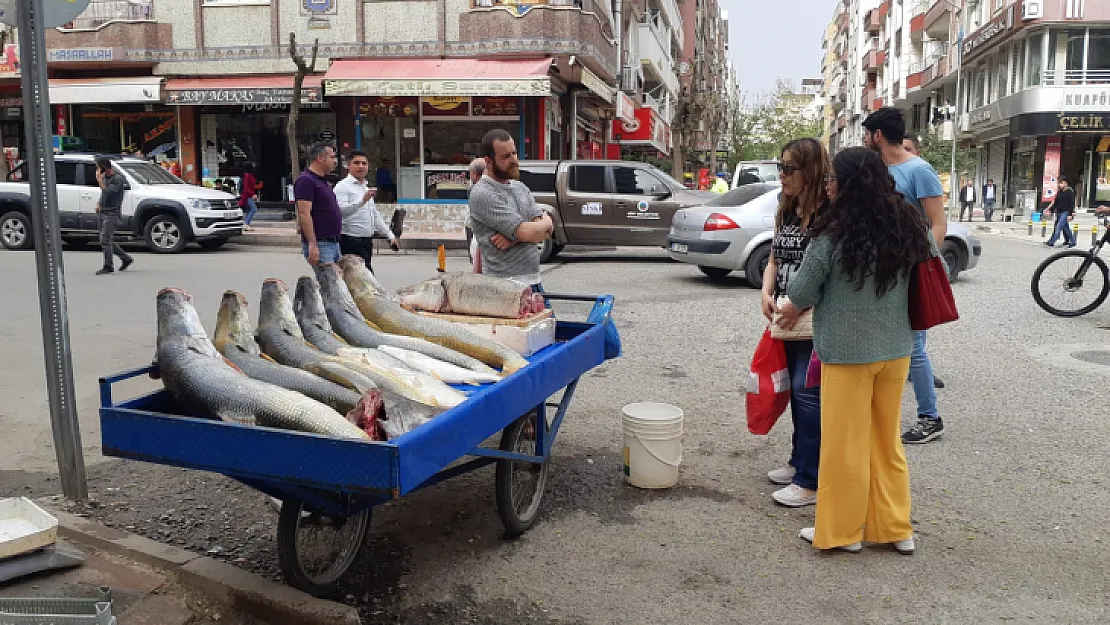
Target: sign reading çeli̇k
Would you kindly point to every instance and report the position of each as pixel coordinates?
(1091, 122)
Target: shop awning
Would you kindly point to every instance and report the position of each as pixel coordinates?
(241, 90)
(439, 77)
(105, 90)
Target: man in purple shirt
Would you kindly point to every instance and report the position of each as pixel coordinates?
(318, 215)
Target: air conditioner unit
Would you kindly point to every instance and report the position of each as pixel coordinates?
(630, 79)
(1032, 9)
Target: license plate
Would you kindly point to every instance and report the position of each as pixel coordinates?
(230, 215)
(678, 248)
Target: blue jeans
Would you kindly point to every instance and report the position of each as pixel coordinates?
(1062, 226)
(329, 251)
(805, 410)
(921, 376)
(252, 208)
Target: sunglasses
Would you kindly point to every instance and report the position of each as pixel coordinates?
(789, 170)
(829, 178)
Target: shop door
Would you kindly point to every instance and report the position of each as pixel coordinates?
(587, 207)
(643, 205)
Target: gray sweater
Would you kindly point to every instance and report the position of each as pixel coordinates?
(850, 326)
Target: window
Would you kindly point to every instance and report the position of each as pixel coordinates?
(588, 179)
(1098, 56)
(65, 173)
(1035, 51)
(538, 180)
(89, 170)
(149, 173)
(633, 181)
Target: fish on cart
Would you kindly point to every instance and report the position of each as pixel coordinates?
(234, 338)
(331, 302)
(195, 372)
(444, 371)
(473, 294)
(280, 337)
(391, 317)
(384, 419)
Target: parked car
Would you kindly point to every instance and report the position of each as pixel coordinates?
(747, 172)
(733, 233)
(158, 207)
(607, 203)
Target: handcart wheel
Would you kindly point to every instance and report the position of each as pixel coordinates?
(519, 485)
(315, 550)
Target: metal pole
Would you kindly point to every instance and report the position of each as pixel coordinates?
(48, 251)
(952, 179)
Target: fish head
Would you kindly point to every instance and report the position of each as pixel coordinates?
(275, 307)
(308, 306)
(233, 324)
(178, 320)
(359, 279)
(334, 289)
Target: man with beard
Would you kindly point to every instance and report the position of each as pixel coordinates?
(885, 130)
(506, 221)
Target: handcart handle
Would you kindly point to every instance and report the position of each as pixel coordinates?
(603, 304)
(107, 381)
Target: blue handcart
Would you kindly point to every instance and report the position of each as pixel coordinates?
(328, 487)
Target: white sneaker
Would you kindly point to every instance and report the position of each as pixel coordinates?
(782, 476)
(795, 496)
(905, 547)
(807, 533)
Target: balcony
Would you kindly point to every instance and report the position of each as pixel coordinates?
(938, 69)
(872, 23)
(871, 61)
(881, 58)
(579, 27)
(1054, 78)
(656, 57)
(917, 13)
(938, 19)
(867, 100)
(884, 10)
(673, 17)
(112, 24)
(842, 23)
(914, 78)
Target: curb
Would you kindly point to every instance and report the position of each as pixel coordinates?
(239, 588)
(429, 241)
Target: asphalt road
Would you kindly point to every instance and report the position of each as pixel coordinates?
(1009, 506)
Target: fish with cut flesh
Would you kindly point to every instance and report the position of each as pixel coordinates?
(444, 371)
(384, 419)
(345, 318)
(195, 372)
(234, 338)
(473, 294)
(391, 317)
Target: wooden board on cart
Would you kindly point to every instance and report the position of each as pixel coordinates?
(497, 321)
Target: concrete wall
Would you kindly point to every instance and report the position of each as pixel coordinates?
(402, 21)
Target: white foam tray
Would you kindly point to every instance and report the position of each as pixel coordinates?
(24, 527)
(524, 341)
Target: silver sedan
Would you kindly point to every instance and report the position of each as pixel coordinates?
(733, 233)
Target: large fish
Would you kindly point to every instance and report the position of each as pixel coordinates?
(192, 369)
(280, 337)
(473, 294)
(341, 311)
(391, 317)
(444, 371)
(234, 338)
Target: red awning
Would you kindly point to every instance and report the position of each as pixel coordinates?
(241, 90)
(439, 77)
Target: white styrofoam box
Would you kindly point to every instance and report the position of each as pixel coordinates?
(524, 341)
(24, 527)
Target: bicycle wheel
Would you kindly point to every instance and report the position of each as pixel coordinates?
(1063, 284)
(316, 551)
(519, 486)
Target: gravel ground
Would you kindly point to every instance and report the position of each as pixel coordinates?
(1009, 507)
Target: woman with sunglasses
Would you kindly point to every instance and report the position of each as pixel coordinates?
(856, 276)
(803, 165)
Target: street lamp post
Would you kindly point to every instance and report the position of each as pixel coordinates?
(952, 175)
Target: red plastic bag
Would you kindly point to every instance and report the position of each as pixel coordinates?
(813, 372)
(768, 384)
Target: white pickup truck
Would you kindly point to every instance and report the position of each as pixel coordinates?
(158, 207)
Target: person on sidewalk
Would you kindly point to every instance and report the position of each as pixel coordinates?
(1064, 207)
(109, 214)
(318, 216)
(507, 222)
(476, 171)
(919, 184)
(384, 179)
(967, 201)
(990, 195)
(247, 195)
(720, 186)
(803, 166)
(856, 274)
(361, 219)
(912, 145)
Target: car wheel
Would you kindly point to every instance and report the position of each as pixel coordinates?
(163, 234)
(549, 249)
(714, 273)
(950, 252)
(212, 244)
(15, 231)
(757, 264)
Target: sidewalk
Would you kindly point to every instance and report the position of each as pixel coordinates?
(284, 234)
(1040, 232)
(157, 584)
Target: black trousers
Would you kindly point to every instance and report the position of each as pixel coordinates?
(359, 246)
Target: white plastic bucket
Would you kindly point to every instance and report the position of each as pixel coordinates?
(652, 444)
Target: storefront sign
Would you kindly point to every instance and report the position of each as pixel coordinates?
(1051, 168)
(974, 44)
(462, 87)
(626, 108)
(446, 105)
(649, 130)
(159, 130)
(83, 55)
(980, 116)
(596, 85)
(241, 96)
(1084, 123)
(446, 185)
(9, 62)
(8, 102)
(1080, 99)
(488, 106)
(386, 106)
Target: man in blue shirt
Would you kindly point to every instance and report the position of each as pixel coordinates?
(918, 183)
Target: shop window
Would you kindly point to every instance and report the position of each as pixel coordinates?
(1035, 50)
(65, 173)
(588, 179)
(1098, 56)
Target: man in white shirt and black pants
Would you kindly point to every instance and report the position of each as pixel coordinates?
(361, 219)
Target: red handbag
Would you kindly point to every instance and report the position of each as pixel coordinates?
(931, 301)
(768, 385)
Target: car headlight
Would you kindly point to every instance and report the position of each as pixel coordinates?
(196, 204)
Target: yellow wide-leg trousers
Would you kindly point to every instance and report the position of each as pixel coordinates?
(863, 490)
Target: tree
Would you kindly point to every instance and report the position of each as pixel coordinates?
(762, 127)
(938, 153)
(294, 108)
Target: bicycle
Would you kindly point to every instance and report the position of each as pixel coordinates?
(1067, 272)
